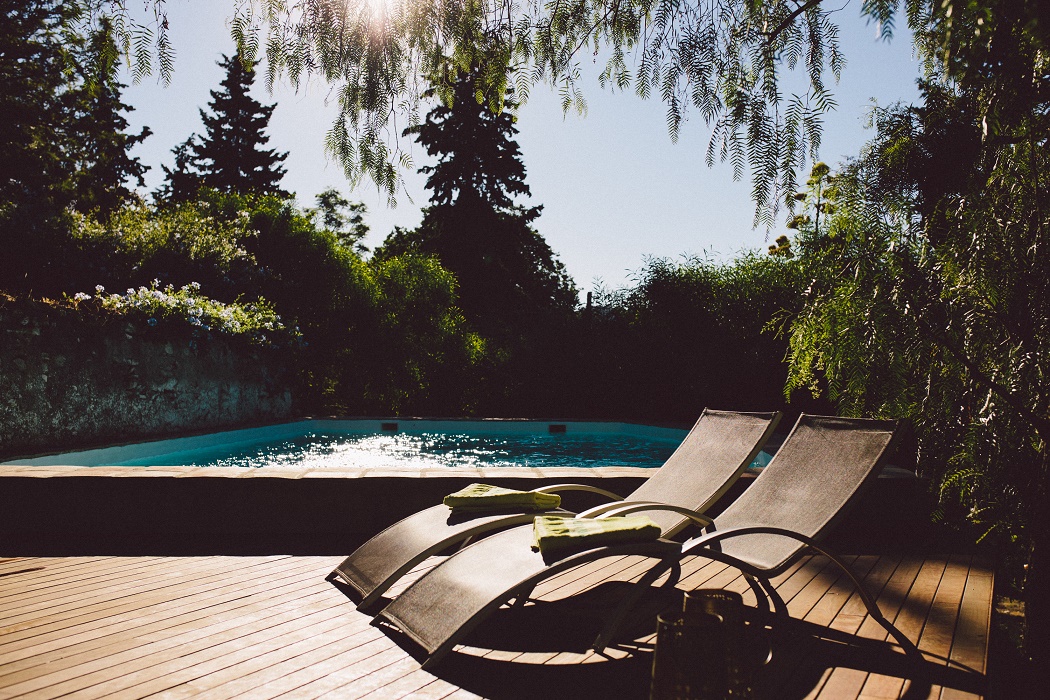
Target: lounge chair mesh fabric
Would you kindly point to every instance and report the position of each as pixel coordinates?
(708, 461)
(819, 472)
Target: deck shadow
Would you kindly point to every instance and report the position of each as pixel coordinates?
(802, 652)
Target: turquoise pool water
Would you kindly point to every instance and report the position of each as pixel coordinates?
(398, 443)
(330, 450)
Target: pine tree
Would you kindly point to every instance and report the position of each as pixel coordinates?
(509, 278)
(231, 156)
(183, 182)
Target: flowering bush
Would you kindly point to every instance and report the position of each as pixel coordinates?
(255, 321)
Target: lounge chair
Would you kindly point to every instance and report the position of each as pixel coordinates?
(821, 469)
(709, 460)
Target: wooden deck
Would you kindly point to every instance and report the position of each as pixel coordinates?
(270, 626)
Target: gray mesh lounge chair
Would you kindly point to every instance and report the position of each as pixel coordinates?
(710, 459)
(815, 476)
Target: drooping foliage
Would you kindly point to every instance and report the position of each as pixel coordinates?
(104, 164)
(721, 58)
(930, 280)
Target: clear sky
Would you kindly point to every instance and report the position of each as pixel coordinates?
(615, 189)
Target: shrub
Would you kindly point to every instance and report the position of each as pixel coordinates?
(154, 305)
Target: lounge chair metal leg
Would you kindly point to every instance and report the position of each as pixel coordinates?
(873, 607)
(765, 607)
(779, 606)
(616, 619)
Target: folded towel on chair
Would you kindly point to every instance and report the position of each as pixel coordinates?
(554, 534)
(481, 497)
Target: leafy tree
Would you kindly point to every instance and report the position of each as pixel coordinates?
(710, 317)
(381, 336)
(720, 57)
(345, 219)
(509, 277)
(230, 157)
(930, 285)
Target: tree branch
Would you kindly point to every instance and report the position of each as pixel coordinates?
(789, 19)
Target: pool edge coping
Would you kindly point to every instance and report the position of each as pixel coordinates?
(180, 472)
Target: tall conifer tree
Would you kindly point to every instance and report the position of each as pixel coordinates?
(509, 278)
(232, 156)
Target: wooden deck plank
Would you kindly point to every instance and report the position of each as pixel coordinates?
(803, 603)
(16, 563)
(970, 640)
(86, 578)
(256, 627)
(350, 676)
(407, 686)
(72, 629)
(63, 653)
(140, 660)
(290, 676)
(237, 657)
(910, 621)
(31, 568)
(208, 574)
(84, 569)
(435, 690)
(142, 664)
(852, 613)
(46, 578)
(103, 588)
(846, 682)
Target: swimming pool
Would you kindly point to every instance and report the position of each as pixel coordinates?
(397, 443)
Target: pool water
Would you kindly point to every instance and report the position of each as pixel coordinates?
(333, 450)
(396, 443)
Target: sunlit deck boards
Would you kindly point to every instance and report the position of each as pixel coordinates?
(266, 627)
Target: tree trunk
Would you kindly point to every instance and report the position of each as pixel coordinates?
(1037, 585)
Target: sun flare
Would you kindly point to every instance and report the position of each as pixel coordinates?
(381, 7)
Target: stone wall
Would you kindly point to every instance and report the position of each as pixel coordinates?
(67, 382)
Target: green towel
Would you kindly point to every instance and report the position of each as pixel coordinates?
(481, 497)
(555, 534)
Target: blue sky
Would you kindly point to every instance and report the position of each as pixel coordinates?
(615, 189)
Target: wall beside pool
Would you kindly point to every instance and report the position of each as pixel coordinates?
(65, 385)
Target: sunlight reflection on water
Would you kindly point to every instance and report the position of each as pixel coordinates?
(433, 450)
